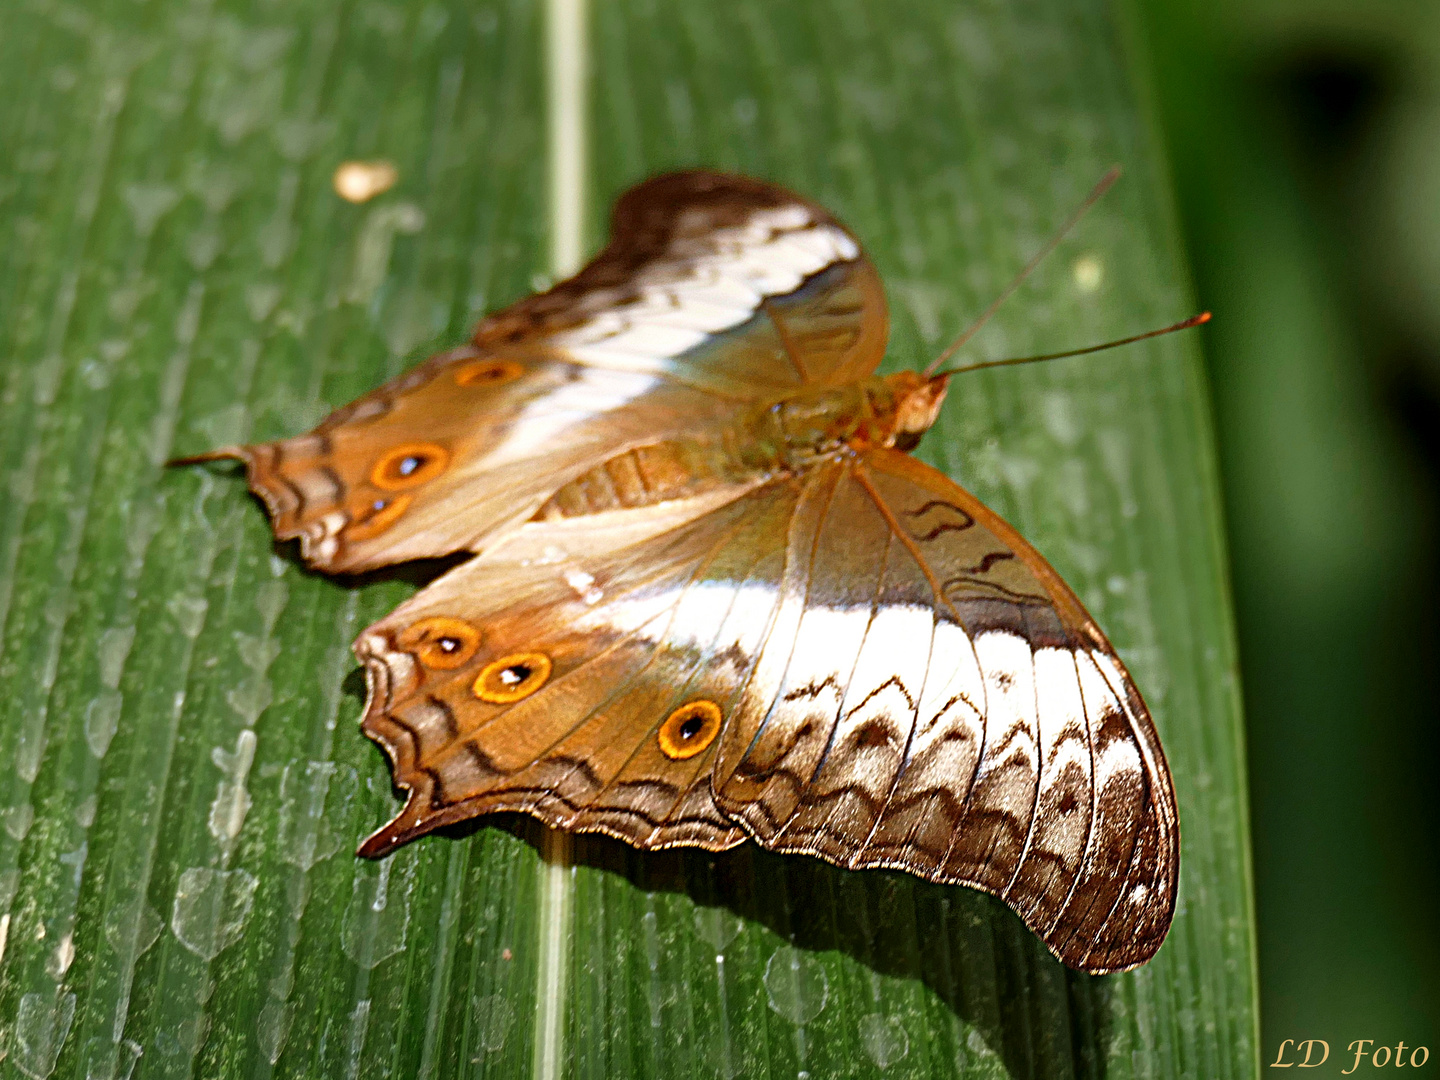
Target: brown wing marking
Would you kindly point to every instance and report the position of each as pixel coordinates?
(763, 763)
(991, 827)
(546, 756)
(831, 697)
(1119, 919)
(502, 448)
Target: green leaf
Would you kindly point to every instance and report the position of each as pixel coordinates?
(181, 778)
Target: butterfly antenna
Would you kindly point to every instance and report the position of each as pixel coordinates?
(1106, 182)
(1194, 320)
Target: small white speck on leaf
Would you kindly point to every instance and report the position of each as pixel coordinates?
(1089, 273)
(361, 181)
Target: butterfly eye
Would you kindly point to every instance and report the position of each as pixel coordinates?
(689, 729)
(488, 373)
(512, 677)
(409, 466)
(376, 517)
(440, 642)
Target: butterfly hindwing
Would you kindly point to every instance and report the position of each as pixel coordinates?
(898, 681)
(715, 291)
(626, 632)
(942, 704)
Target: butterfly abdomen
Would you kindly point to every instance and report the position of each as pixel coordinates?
(660, 472)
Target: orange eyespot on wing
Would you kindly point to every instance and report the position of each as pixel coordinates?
(512, 678)
(689, 730)
(488, 373)
(409, 466)
(440, 642)
(377, 516)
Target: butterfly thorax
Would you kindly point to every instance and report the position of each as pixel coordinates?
(883, 410)
(783, 435)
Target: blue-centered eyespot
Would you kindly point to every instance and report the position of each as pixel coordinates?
(409, 466)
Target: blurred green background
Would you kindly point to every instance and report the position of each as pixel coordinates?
(1304, 139)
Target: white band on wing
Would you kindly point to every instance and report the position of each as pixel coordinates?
(704, 285)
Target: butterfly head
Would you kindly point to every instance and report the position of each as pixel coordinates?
(917, 403)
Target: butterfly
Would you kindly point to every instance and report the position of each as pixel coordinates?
(711, 598)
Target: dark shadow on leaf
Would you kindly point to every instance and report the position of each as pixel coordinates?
(354, 687)
(417, 572)
(1017, 1002)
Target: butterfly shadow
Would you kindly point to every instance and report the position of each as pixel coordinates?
(417, 573)
(1015, 1001)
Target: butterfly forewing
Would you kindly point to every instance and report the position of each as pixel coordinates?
(630, 633)
(716, 291)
